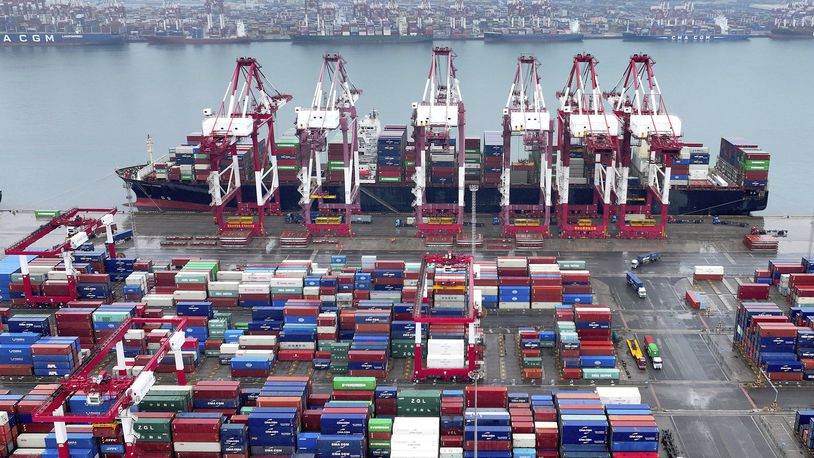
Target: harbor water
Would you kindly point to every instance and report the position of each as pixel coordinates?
(72, 115)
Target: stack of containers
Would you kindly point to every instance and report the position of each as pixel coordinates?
(769, 340)
(167, 398)
(531, 357)
(546, 283)
(234, 440)
(155, 432)
(753, 291)
(492, 157)
(801, 289)
(415, 437)
(743, 163)
(546, 429)
(442, 160)
(336, 161)
(779, 267)
(523, 438)
(758, 242)
(568, 346)
(197, 434)
(369, 351)
(419, 403)
(94, 287)
(583, 426)
(346, 421)
(494, 431)
(388, 280)
(379, 433)
(288, 156)
(633, 429)
(391, 147)
(698, 157)
(472, 159)
(298, 338)
(8, 267)
(339, 357)
(119, 268)
(55, 356)
(95, 258)
(221, 397)
(747, 311)
(254, 289)
(385, 401)
(452, 421)
(108, 317)
(514, 291)
(135, 286)
(486, 282)
(81, 444)
(804, 427)
(576, 287)
(402, 338)
(36, 323)
(762, 276)
(273, 430)
(596, 349)
(198, 315)
(254, 356)
(15, 352)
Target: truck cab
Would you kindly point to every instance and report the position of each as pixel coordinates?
(653, 352)
(636, 284)
(645, 258)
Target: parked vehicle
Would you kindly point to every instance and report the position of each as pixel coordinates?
(636, 353)
(653, 352)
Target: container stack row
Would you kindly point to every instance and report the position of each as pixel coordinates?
(743, 163)
(392, 144)
(585, 348)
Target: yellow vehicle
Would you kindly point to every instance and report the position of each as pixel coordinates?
(526, 222)
(323, 196)
(239, 221)
(636, 353)
(585, 222)
(328, 220)
(439, 220)
(648, 222)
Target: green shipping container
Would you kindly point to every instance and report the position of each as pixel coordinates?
(339, 368)
(355, 383)
(382, 425)
(572, 265)
(533, 362)
(152, 403)
(379, 444)
(402, 348)
(600, 374)
(419, 403)
(46, 213)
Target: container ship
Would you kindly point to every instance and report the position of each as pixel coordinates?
(215, 30)
(792, 33)
(306, 38)
(720, 31)
(731, 187)
(38, 23)
(533, 37)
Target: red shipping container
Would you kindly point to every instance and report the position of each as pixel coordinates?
(753, 291)
(488, 396)
(571, 373)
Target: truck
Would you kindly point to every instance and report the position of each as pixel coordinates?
(645, 258)
(636, 353)
(361, 219)
(653, 352)
(636, 284)
(406, 222)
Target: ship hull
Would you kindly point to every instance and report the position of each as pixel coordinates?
(173, 40)
(787, 34)
(60, 39)
(682, 38)
(532, 37)
(359, 39)
(195, 197)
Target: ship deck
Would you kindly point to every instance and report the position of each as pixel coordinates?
(706, 394)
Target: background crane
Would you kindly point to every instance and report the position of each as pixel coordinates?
(239, 140)
(652, 134)
(526, 115)
(585, 130)
(333, 107)
(440, 111)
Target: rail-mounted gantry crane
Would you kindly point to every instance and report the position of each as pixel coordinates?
(650, 135)
(241, 131)
(440, 158)
(526, 116)
(332, 114)
(586, 131)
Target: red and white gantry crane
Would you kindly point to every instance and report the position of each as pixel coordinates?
(526, 115)
(586, 129)
(440, 111)
(654, 136)
(243, 127)
(333, 107)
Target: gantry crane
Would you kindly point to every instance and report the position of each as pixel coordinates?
(333, 107)
(526, 115)
(469, 322)
(80, 226)
(233, 133)
(440, 111)
(655, 135)
(585, 129)
(120, 388)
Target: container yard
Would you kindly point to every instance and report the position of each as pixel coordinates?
(331, 350)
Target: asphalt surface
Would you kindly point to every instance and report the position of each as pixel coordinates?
(706, 394)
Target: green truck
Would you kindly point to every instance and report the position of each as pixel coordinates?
(653, 352)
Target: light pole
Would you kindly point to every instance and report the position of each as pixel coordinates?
(476, 375)
(473, 188)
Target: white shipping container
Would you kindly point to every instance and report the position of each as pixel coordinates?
(224, 286)
(230, 275)
(57, 275)
(229, 348)
(386, 295)
(254, 288)
(183, 295)
(257, 340)
(514, 305)
(326, 329)
(450, 298)
(417, 425)
(269, 354)
(546, 425)
(31, 440)
(699, 174)
(523, 440)
(298, 345)
(709, 270)
(310, 291)
(286, 282)
(487, 290)
(344, 297)
(619, 394)
(544, 268)
(451, 452)
(544, 305)
(159, 300)
(259, 276)
(512, 261)
(210, 447)
(135, 334)
(445, 347)
(802, 300)
(169, 388)
(445, 362)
